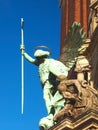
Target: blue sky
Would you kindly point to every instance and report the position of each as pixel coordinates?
(42, 27)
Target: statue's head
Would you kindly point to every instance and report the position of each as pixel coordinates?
(42, 52)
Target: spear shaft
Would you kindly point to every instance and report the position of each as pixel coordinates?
(22, 67)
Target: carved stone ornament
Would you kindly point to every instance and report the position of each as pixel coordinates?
(81, 94)
(86, 121)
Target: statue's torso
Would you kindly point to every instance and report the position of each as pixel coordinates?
(44, 70)
(55, 67)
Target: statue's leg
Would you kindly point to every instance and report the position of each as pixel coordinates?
(58, 102)
(65, 111)
(47, 96)
(59, 115)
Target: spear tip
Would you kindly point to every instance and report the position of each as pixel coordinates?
(22, 22)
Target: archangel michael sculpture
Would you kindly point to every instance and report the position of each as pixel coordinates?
(63, 96)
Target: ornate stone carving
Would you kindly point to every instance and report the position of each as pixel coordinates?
(79, 97)
(86, 121)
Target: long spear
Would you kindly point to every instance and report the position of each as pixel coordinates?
(22, 67)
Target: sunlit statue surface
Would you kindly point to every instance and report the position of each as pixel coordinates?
(62, 96)
(49, 70)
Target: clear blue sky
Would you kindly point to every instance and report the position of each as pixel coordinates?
(42, 27)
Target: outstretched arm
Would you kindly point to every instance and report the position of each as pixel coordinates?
(29, 58)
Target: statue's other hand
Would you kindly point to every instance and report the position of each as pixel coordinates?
(22, 48)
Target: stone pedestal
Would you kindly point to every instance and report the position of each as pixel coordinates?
(86, 121)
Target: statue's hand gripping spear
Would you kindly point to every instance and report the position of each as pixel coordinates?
(22, 65)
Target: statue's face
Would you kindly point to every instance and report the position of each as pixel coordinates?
(71, 89)
(40, 60)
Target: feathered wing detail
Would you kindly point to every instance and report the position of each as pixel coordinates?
(72, 45)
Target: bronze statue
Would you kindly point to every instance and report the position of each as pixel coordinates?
(52, 72)
(49, 70)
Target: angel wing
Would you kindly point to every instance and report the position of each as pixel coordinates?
(72, 45)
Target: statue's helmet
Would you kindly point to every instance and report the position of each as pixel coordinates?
(41, 53)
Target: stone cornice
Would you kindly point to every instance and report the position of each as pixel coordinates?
(88, 119)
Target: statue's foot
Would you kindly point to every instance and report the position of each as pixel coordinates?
(46, 122)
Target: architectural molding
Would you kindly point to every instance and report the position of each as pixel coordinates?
(86, 121)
